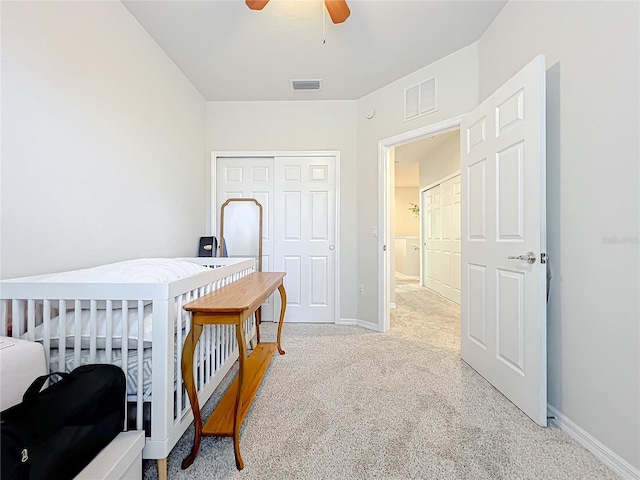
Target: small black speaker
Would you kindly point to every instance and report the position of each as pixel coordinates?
(208, 247)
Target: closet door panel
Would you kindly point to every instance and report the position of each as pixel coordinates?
(305, 229)
(249, 177)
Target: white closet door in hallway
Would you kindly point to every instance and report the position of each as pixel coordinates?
(305, 235)
(299, 199)
(441, 238)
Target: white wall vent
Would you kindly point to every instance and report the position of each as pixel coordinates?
(421, 99)
(306, 84)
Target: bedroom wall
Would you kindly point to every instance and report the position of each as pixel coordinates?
(407, 224)
(593, 205)
(458, 94)
(297, 126)
(103, 141)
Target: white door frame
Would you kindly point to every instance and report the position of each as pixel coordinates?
(385, 190)
(315, 153)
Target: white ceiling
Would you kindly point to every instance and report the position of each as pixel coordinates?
(230, 52)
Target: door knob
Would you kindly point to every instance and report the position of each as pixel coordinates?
(530, 257)
(331, 247)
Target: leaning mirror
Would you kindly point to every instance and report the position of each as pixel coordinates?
(241, 229)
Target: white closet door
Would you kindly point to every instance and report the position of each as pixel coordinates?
(432, 239)
(450, 239)
(441, 239)
(304, 235)
(250, 178)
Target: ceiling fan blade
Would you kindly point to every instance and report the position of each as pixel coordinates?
(256, 4)
(338, 10)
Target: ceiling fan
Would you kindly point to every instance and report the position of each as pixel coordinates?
(338, 9)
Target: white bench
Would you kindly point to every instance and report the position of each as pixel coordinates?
(121, 459)
(20, 363)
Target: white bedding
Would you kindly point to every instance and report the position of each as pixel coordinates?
(101, 328)
(142, 270)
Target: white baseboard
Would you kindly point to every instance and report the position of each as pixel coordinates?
(347, 321)
(368, 325)
(407, 277)
(604, 454)
(358, 323)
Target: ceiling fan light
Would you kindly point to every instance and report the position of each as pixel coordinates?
(256, 4)
(338, 10)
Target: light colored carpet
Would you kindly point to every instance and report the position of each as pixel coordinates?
(347, 403)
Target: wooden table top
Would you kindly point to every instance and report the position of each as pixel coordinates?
(247, 293)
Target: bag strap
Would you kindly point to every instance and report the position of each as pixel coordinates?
(32, 392)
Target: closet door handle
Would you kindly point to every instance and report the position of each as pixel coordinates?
(331, 247)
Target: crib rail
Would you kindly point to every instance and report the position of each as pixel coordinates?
(139, 327)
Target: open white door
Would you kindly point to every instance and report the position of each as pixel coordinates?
(504, 314)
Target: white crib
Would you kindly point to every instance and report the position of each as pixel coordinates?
(98, 322)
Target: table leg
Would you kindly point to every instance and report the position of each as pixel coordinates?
(237, 421)
(283, 307)
(187, 376)
(258, 322)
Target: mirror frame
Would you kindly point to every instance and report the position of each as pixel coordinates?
(229, 200)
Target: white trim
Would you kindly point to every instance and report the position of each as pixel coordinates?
(406, 277)
(347, 321)
(393, 305)
(384, 237)
(421, 241)
(215, 154)
(603, 453)
(354, 322)
(368, 325)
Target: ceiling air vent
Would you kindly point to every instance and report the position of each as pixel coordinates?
(305, 84)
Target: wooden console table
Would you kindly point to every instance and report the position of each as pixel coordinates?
(232, 304)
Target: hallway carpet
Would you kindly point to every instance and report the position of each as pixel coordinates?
(347, 403)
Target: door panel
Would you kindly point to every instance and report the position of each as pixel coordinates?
(476, 291)
(433, 238)
(305, 198)
(319, 280)
(450, 245)
(509, 193)
(292, 265)
(510, 318)
(503, 204)
(250, 178)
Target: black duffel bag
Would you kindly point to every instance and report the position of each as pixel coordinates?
(56, 432)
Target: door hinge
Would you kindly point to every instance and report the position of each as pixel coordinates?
(543, 257)
(384, 248)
